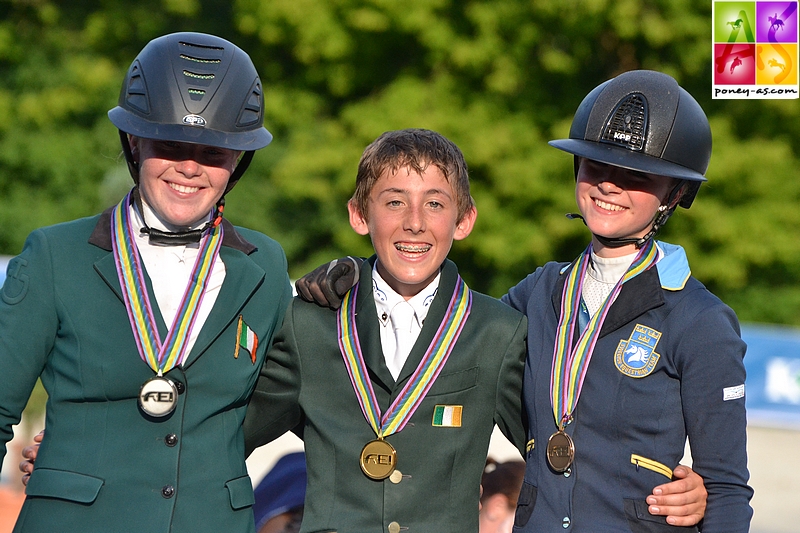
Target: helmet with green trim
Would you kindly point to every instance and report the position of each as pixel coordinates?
(193, 88)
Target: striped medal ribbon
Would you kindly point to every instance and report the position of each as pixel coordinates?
(378, 458)
(570, 365)
(158, 395)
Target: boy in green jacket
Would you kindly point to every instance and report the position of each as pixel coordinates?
(398, 392)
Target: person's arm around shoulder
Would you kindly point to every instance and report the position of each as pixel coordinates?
(274, 406)
(327, 284)
(29, 454)
(509, 415)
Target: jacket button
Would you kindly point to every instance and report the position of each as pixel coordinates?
(568, 472)
(168, 491)
(396, 477)
(565, 522)
(180, 386)
(393, 527)
(171, 440)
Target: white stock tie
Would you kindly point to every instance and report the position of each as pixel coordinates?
(402, 317)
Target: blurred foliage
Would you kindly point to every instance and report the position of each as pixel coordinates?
(498, 77)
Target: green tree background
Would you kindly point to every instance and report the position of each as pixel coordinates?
(499, 77)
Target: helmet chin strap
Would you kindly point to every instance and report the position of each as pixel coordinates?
(184, 237)
(662, 215)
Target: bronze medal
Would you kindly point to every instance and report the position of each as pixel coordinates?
(158, 396)
(560, 451)
(378, 459)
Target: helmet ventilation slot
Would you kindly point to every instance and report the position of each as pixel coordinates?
(627, 123)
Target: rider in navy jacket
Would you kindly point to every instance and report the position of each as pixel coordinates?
(667, 362)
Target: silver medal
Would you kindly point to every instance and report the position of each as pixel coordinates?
(158, 396)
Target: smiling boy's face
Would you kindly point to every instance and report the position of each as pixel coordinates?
(412, 220)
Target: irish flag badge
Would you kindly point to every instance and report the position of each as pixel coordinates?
(246, 340)
(447, 416)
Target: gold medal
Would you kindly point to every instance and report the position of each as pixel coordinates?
(378, 459)
(560, 451)
(158, 396)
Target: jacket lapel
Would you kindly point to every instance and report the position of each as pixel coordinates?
(369, 336)
(106, 267)
(637, 296)
(433, 320)
(242, 279)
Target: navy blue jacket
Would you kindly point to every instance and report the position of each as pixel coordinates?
(634, 414)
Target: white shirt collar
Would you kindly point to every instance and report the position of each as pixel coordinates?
(386, 298)
(609, 269)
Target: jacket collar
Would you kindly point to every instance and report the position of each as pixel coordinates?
(369, 333)
(638, 295)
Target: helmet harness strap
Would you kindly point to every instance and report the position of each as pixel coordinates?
(662, 215)
(179, 238)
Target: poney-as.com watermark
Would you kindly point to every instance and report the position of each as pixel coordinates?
(755, 49)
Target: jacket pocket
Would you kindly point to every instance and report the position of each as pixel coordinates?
(525, 504)
(64, 485)
(455, 382)
(641, 521)
(655, 466)
(240, 491)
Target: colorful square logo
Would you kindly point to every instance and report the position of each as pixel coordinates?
(755, 49)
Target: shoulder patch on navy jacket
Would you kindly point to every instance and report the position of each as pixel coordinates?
(637, 357)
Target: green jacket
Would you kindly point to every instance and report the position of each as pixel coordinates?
(305, 381)
(104, 466)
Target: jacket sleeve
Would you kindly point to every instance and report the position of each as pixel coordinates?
(509, 416)
(274, 407)
(28, 328)
(519, 296)
(710, 360)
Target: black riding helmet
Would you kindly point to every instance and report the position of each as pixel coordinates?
(644, 121)
(194, 88)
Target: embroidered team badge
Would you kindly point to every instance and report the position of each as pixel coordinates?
(637, 356)
(16, 285)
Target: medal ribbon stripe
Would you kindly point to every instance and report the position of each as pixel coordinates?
(432, 362)
(160, 357)
(178, 337)
(129, 271)
(350, 347)
(565, 332)
(424, 376)
(570, 366)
